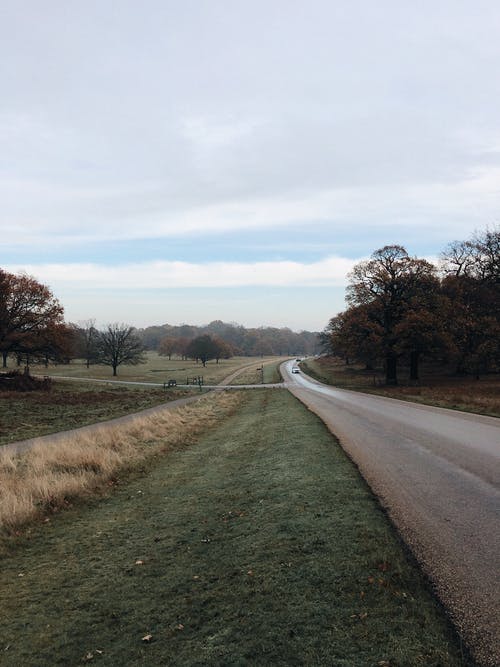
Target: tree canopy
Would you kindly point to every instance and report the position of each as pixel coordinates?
(203, 348)
(403, 307)
(31, 319)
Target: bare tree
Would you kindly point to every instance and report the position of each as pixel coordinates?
(119, 344)
(477, 258)
(89, 339)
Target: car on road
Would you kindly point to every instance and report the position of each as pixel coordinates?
(295, 370)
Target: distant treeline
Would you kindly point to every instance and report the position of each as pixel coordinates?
(33, 331)
(168, 339)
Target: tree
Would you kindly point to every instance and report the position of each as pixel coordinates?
(168, 345)
(471, 283)
(386, 285)
(57, 342)
(202, 348)
(88, 341)
(222, 350)
(28, 311)
(118, 344)
(477, 258)
(472, 321)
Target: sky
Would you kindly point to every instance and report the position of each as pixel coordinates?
(190, 160)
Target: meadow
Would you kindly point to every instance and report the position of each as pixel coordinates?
(70, 404)
(157, 369)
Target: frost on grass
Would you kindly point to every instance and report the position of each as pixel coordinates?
(46, 478)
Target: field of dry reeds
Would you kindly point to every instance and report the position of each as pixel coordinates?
(51, 476)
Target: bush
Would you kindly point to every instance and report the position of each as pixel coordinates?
(15, 381)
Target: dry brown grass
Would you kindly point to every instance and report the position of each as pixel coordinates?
(50, 477)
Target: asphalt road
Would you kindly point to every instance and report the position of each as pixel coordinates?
(437, 472)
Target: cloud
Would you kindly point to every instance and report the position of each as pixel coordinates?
(67, 215)
(330, 271)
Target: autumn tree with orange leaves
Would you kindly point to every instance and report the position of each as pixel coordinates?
(31, 319)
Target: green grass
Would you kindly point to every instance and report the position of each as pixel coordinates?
(72, 404)
(436, 387)
(259, 545)
(156, 369)
(272, 373)
(253, 375)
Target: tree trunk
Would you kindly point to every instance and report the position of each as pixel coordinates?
(5, 355)
(414, 361)
(114, 370)
(391, 370)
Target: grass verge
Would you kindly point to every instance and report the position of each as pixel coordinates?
(50, 476)
(260, 545)
(69, 405)
(443, 390)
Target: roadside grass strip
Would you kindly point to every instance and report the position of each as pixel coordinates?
(267, 372)
(257, 545)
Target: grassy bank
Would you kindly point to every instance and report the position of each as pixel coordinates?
(259, 545)
(51, 476)
(440, 389)
(69, 405)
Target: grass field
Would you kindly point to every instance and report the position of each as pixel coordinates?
(444, 390)
(73, 404)
(156, 369)
(258, 545)
(254, 374)
(69, 405)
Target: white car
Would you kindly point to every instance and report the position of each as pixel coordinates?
(295, 370)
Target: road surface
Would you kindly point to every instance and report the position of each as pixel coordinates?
(437, 472)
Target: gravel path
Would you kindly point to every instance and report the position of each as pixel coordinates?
(437, 472)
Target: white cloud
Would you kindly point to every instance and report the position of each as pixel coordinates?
(330, 271)
(75, 215)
